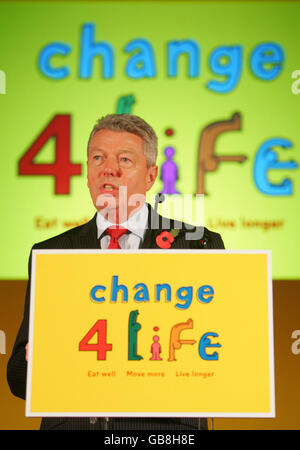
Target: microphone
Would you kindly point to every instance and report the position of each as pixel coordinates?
(159, 198)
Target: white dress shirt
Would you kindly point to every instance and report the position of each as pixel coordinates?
(136, 224)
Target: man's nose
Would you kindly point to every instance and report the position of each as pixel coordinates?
(111, 166)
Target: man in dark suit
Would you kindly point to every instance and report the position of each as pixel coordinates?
(122, 152)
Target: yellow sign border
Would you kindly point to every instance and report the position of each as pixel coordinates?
(269, 414)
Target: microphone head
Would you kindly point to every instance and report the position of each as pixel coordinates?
(159, 198)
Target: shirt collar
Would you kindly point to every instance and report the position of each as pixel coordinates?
(136, 223)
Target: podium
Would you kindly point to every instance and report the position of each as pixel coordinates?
(167, 333)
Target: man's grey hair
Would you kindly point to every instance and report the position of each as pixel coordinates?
(132, 124)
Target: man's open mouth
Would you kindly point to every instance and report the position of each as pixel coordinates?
(108, 188)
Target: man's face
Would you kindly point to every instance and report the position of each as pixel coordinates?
(117, 170)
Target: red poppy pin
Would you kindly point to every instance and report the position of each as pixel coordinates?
(166, 238)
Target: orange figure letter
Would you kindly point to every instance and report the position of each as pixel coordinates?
(175, 341)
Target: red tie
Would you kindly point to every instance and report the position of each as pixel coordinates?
(115, 233)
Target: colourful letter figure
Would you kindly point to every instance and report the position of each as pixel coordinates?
(155, 349)
(266, 159)
(175, 341)
(204, 343)
(208, 161)
(169, 173)
(125, 103)
(133, 328)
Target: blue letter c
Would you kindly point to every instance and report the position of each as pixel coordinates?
(94, 292)
(44, 60)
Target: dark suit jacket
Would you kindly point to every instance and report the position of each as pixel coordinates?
(85, 237)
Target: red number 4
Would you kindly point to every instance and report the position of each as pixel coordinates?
(62, 169)
(101, 346)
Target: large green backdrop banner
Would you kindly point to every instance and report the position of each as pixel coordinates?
(218, 81)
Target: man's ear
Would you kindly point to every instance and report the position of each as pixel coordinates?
(151, 177)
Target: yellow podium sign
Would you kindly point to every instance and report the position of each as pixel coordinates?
(151, 333)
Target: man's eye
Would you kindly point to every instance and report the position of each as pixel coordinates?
(124, 159)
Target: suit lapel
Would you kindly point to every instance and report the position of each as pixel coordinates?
(149, 239)
(87, 236)
(153, 229)
(156, 226)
